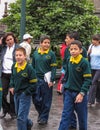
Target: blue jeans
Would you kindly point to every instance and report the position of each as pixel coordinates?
(22, 107)
(68, 109)
(43, 100)
(93, 88)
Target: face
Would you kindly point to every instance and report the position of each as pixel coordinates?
(20, 57)
(75, 50)
(68, 40)
(45, 45)
(95, 42)
(10, 41)
(29, 40)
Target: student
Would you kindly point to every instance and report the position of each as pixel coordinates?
(44, 62)
(70, 37)
(77, 81)
(27, 38)
(22, 86)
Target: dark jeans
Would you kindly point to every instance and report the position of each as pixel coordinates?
(22, 107)
(68, 109)
(94, 86)
(43, 99)
(8, 107)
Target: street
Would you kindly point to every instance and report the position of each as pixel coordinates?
(55, 116)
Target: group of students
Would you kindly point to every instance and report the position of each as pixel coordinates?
(28, 81)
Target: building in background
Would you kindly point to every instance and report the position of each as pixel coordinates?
(2, 6)
(97, 7)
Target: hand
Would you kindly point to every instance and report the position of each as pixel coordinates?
(79, 98)
(50, 84)
(12, 91)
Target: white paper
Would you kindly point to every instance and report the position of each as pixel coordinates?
(47, 77)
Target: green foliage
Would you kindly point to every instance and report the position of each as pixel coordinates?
(55, 18)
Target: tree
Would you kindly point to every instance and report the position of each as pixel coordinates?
(55, 18)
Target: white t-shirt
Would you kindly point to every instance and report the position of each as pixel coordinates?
(8, 60)
(95, 57)
(27, 47)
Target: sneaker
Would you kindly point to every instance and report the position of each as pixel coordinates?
(72, 128)
(42, 122)
(2, 115)
(91, 104)
(29, 127)
(38, 119)
(13, 116)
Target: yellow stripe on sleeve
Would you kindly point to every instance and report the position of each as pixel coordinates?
(54, 64)
(87, 75)
(33, 81)
(0, 89)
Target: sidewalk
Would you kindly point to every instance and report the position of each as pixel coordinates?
(55, 116)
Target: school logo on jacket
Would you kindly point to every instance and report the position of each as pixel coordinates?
(24, 74)
(48, 57)
(78, 69)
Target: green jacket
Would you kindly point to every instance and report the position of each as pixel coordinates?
(44, 63)
(23, 81)
(67, 55)
(78, 76)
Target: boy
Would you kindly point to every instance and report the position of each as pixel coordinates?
(70, 37)
(77, 81)
(22, 85)
(44, 62)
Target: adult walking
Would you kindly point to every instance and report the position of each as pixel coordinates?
(94, 54)
(27, 38)
(7, 59)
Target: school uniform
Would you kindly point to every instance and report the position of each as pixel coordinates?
(23, 80)
(77, 80)
(43, 63)
(66, 57)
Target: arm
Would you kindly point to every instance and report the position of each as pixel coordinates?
(84, 52)
(11, 88)
(66, 55)
(87, 79)
(53, 67)
(32, 81)
(33, 60)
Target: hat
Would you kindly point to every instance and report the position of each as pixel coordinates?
(26, 36)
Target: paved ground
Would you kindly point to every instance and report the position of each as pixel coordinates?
(55, 115)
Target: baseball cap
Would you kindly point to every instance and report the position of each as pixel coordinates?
(26, 36)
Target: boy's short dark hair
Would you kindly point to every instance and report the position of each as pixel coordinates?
(21, 49)
(78, 43)
(96, 37)
(73, 34)
(43, 37)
